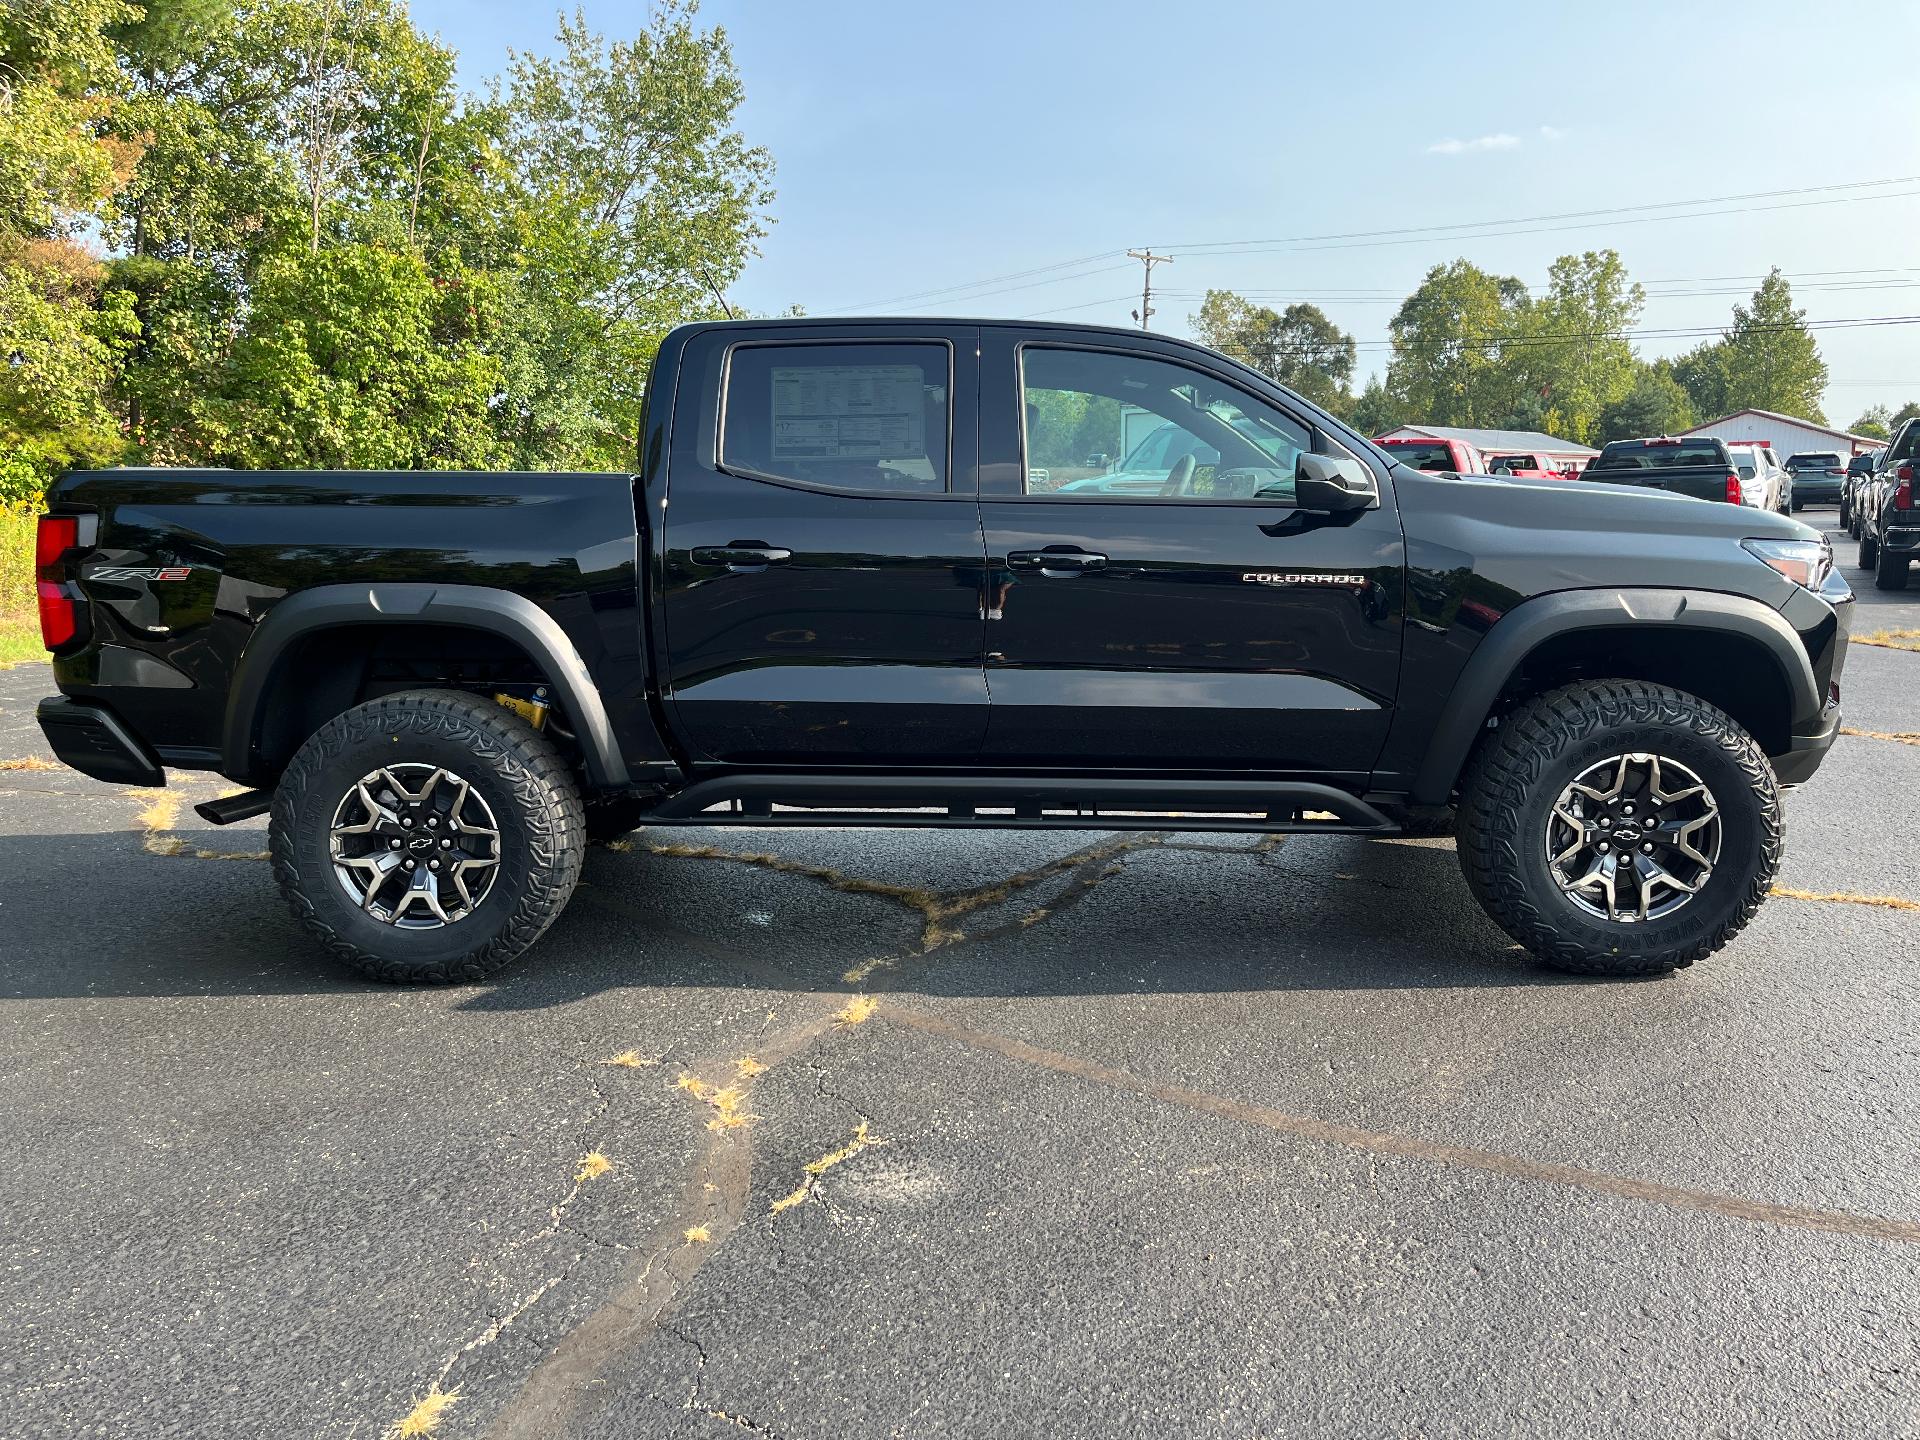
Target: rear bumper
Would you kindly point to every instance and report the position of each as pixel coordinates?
(1805, 752)
(94, 741)
(1823, 491)
(1903, 537)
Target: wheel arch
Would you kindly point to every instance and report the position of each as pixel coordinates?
(349, 617)
(1730, 650)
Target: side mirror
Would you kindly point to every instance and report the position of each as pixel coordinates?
(1333, 484)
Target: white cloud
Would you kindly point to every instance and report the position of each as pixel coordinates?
(1452, 146)
(1551, 133)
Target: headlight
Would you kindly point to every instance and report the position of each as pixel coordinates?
(1805, 562)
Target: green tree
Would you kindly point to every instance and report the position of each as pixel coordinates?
(59, 84)
(1576, 355)
(1874, 421)
(1374, 411)
(1900, 417)
(1771, 361)
(1454, 342)
(59, 87)
(1702, 373)
(1299, 347)
(1656, 405)
(634, 199)
(359, 358)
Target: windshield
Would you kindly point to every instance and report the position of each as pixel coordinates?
(1165, 446)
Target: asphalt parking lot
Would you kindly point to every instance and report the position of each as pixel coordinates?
(960, 1134)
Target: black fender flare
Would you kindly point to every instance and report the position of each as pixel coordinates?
(1531, 624)
(472, 607)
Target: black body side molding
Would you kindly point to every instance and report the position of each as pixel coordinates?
(473, 607)
(1529, 625)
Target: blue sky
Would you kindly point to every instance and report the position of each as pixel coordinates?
(921, 147)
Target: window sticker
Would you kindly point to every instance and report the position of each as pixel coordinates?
(848, 412)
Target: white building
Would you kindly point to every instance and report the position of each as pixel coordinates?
(1786, 435)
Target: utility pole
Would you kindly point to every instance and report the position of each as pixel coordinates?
(1149, 259)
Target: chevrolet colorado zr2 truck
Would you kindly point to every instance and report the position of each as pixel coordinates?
(833, 594)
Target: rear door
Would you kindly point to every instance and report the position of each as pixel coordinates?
(822, 562)
(1188, 620)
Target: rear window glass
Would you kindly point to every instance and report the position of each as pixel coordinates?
(866, 417)
(1826, 461)
(1420, 454)
(1633, 455)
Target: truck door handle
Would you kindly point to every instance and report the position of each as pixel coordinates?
(1071, 562)
(741, 554)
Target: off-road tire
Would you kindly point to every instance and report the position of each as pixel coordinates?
(611, 816)
(1890, 569)
(1869, 556)
(1520, 770)
(1845, 520)
(512, 767)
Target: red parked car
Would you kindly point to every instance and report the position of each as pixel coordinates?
(1442, 455)
(1528, 467)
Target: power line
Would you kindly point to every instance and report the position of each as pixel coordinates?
(1418, 232)
(1198, 246)
(995, 279)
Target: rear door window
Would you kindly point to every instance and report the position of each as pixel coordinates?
(872, 418)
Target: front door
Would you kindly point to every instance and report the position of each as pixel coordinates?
(1156, 601)
(822, 565)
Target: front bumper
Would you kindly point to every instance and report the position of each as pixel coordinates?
(1805, 752)
(94, 741)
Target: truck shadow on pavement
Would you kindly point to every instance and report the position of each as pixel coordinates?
(1136, 914)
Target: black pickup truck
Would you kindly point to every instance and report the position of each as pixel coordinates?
(850, 585)
(1695, 465)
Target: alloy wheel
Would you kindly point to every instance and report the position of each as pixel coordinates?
(1633, 838)
(414, 846)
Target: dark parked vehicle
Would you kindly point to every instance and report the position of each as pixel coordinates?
(1816, 477)
(1859, 470)
(832, 596)
(1692, 465)
(1888, 519)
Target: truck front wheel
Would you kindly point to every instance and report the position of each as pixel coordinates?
(1620, 828)
(427, 837)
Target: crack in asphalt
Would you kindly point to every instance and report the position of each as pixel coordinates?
(560, 1389)
(1515, 1167)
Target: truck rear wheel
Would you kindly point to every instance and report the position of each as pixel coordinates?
(1869, 555)
(1890, 569)
(427, 837)
(1620, 828)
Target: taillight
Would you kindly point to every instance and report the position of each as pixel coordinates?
(59, 616)
(1903, 492)
(1733, 490)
